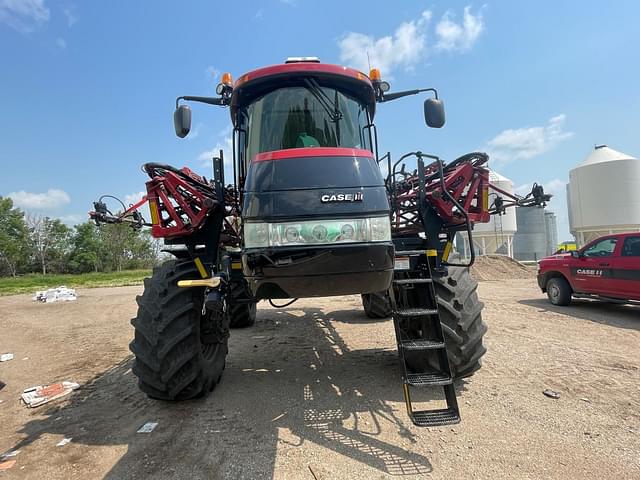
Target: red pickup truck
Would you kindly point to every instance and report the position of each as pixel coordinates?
(608, 268)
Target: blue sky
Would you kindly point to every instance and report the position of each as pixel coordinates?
(88, 87)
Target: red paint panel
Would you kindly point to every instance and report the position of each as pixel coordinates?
(302, 67)
(311, 152)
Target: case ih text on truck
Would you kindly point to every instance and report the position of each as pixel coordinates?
(608, 268)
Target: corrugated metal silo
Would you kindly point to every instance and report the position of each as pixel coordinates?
(551, 224)
(537, 233)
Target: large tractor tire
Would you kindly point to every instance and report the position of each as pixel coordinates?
(180, 353)
(241, 315)
(376, 305)
(461, 318)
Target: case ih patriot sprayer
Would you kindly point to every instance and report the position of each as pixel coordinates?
(308, 214)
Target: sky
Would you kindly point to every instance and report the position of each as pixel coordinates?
(88, 87)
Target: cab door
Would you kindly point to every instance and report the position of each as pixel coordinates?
(627, 267)
(592, 272)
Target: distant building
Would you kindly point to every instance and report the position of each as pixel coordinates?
(496, 236)
(603, 195)
(537, 233)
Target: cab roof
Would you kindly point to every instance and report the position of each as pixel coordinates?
(256, 83)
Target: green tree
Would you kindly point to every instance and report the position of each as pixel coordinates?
(123, 247)
(13, 238)
(142, 250)
(50, 240)
(86, 248)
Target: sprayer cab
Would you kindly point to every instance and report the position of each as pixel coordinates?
(314, 205)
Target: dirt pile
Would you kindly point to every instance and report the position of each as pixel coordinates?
(500, 267)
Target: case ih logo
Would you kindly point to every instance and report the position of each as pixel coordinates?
(590, 272)
(342, 197)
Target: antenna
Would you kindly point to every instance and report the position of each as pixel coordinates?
(368, 60)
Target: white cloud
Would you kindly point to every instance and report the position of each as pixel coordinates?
(61, 43)
(555, 187)
(23, 15)
(525, 143)
(459, 37)
(49, 200)
(73, 219)
(225, 143)
(133, 198)
(70, 15)
(213, 73)
(259, 14)
(195, 132)
(405, 48)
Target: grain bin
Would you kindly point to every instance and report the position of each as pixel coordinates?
(496, 236)
(603, 195)
(537, 233)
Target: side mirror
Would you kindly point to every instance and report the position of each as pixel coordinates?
(575, 254)
(434, 113)
(182, 120)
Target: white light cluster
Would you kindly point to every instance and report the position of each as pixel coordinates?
(317, 232)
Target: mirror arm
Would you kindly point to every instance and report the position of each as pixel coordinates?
(221, 101)
(393, 96)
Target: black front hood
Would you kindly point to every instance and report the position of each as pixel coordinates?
(348, 185)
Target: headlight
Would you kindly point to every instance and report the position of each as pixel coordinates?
(317, 232)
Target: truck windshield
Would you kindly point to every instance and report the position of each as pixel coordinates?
(305, 116)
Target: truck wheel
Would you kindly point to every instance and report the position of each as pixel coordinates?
(180, 353)
(559, 291)
(376, 305)
(241, 315)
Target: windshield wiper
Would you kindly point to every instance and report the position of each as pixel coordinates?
(331, 107)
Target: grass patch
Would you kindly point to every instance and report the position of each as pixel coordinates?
(32, 282)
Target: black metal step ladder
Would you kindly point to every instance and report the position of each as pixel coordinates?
(414, 271)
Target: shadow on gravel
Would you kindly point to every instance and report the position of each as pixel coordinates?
(355, 317)
(290, 382)
(613, 314)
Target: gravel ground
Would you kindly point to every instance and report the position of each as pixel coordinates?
(313, 391)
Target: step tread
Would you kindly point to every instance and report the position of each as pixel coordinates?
(428, 379)
(434, 418)
(404, 253)
(409, 281)
(422, 344)
(415, 312)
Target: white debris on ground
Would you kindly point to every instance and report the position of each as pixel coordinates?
(147, 427)
(60, 294)
(63, 442)
(5, 357)
(39, 395)
(9, 454)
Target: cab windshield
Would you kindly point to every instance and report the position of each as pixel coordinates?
(306, 116)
